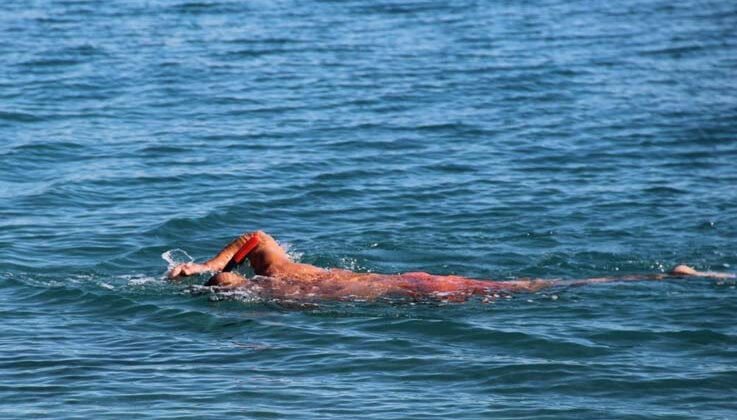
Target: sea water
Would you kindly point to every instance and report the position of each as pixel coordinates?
(490, 139)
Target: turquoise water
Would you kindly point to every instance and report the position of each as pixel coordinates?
(487, 139)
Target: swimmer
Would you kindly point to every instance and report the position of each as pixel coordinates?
(281, 278)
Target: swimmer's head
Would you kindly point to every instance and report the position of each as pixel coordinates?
(266, 255)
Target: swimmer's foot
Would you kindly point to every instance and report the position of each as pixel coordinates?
(684, 270)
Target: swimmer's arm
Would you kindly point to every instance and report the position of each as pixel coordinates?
(215, 264)
(219, 261)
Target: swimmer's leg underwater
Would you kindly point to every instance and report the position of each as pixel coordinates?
(679, 271)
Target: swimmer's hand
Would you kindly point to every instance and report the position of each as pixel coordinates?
(188, 269)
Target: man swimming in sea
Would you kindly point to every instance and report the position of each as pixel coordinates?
(281, 278)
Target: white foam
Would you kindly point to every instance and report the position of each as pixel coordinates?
(176, 256)
(142, 279)
(293, 254)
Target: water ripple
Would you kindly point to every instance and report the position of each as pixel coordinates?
(544, 139)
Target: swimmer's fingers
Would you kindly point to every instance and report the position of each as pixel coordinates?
(175, 272)
(188, 269)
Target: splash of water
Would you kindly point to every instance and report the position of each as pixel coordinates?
(293, 254)
(174, 257)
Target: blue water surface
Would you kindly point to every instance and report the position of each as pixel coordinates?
(490, 139)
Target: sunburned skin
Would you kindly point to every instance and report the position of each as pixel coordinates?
(282, 278)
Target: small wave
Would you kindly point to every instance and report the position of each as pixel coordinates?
(195, 7)
(51, 62)
(140, 279)
(675, 51)
(664, 189)
(18, 117)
